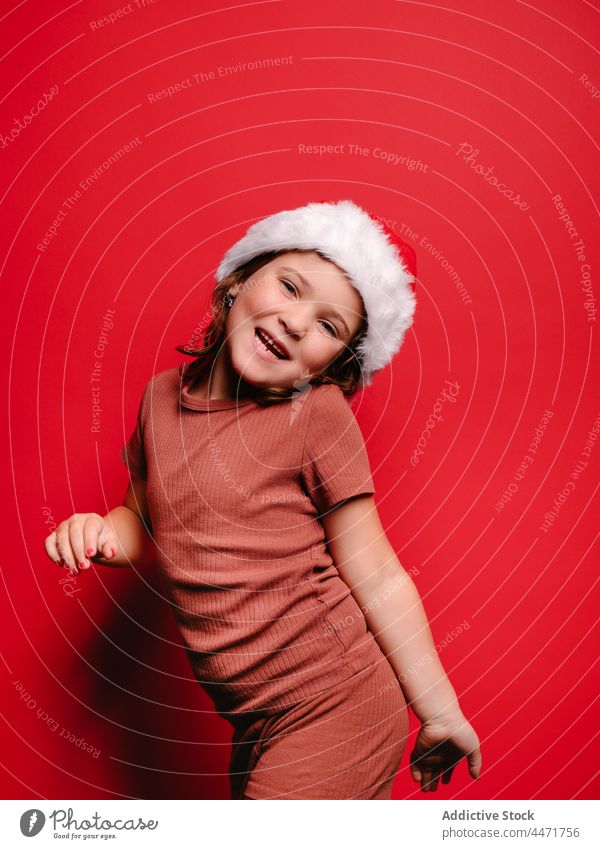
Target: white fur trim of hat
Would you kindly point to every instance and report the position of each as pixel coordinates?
(379, 264)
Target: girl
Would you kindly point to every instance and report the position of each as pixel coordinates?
(251, 487)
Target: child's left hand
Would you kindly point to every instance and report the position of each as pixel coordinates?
(440, 745)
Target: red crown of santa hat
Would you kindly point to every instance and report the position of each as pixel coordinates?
(378, 263)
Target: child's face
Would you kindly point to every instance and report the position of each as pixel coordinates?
(313, 319)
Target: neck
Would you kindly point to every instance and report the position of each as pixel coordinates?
(225, 384)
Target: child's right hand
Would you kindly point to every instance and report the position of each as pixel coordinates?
(81, 536)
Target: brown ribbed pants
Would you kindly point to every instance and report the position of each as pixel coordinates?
(344, 743)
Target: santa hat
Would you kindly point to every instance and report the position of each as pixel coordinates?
(379, 264)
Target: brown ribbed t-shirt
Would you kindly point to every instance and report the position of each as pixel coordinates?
(234, 492)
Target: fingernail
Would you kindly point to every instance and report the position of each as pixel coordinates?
(112, 552)
(82, 565)
(89, 551)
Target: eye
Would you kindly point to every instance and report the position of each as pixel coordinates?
(332, 329)
(287, 283)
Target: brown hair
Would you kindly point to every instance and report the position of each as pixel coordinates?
(344, 371)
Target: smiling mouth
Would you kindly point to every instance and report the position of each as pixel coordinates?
(266, 342)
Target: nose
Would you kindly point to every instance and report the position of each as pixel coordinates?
(295, 322)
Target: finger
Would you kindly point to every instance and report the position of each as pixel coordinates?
(434, 782)
(425, 780)
(92, 529)
(107, 542)
(416, 764)
(474, 762)
(63, 546)
(447, 775)
(51, 549)
(76, 537)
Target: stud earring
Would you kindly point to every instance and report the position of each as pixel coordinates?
(228, 300)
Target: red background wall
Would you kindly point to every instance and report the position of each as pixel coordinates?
(99, 658)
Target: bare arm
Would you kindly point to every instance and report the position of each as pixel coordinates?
(130, 525)
(395, 616)
(391, 605)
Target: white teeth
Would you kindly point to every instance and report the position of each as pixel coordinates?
(262, 344)
(273, 344)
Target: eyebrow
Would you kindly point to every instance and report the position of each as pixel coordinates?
(312, 288)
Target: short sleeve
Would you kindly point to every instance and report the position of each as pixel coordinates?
(335, 465)
(132, 453)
